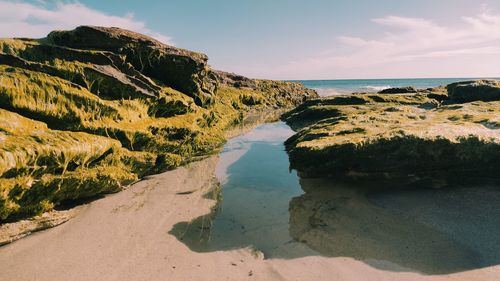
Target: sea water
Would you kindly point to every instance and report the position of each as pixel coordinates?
(341, 87)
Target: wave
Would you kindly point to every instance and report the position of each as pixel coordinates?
(376, 88)
(339, 91)
(326, 92)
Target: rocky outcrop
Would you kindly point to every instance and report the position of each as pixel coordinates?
(403, 90)
(395, 136)
(183, 70)
(315, 110)
(480, 90)
(88, 111)
(235, 80)
(285, 90)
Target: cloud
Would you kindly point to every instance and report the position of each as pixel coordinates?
(21, 19)
(404, 44)
(412, 38)
(404, 23)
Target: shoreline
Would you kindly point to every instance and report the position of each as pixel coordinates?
(126, 234)
(19, 229)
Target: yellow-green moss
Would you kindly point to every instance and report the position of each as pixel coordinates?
(77, 123)
(376, 134)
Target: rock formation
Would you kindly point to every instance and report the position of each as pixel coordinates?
(428, 135)
(88, 111)
(468, 91)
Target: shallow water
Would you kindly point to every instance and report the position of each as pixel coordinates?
(262, 204)
(257, 187)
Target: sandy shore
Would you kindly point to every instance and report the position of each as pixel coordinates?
(125, 236)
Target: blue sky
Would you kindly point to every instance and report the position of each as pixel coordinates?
(281, 39)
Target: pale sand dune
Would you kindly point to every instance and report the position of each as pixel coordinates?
(125, 237)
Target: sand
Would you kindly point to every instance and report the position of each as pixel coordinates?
(125, 236)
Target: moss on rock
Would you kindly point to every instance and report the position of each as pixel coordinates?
(376, 135)
(88, 111)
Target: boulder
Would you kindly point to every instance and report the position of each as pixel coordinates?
(480, 90)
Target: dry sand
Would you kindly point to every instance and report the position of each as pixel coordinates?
(125, 236)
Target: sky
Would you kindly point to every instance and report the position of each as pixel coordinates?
(295, 39)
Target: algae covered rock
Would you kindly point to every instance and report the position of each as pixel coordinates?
(374, 136)
(183, 70)
(480, 90)
(41, 167)
(284, 91)
(235, 80)
(314, 110)
(88, 111)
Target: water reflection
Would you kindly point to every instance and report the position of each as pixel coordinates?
(256, 189)
(262, 204)
(385, 231)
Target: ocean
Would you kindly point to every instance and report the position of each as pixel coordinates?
(340, 87)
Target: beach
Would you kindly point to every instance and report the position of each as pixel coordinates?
(125, 157)
(125, 236)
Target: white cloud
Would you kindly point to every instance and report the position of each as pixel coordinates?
(21, 19)
(353, 41)
(403, 47)
(416, 38)
(404, 23)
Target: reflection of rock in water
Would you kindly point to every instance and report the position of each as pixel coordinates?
(338, 220)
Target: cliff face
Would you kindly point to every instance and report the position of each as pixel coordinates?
(87, 111)
(436, 135)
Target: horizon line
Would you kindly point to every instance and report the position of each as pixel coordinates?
(409, 78)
